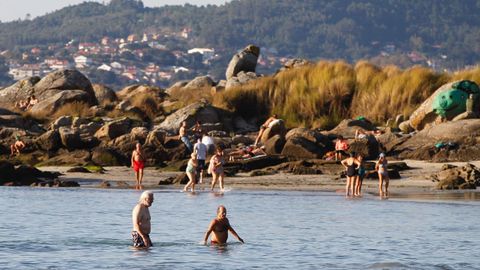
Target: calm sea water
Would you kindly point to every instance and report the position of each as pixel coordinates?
(90, 229)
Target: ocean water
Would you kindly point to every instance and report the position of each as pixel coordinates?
(46, 228)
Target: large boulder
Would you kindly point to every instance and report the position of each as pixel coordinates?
(241, 78)
(446, 102)
(104, 94)
(200, 82)
(198, 111)
(311, 135)
(300, 147)
(133, 91)
(19, 122)
(114, 129)
(449, 141)
(107, 157)
(368, 147)
(453, 177)
(274, 145)
(49, 141)
(56, 99)
(70, 138)
(62, 80)
(245, 61)
(21, 90)
(7, 172)
(347, 127)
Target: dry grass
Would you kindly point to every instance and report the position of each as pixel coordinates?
(188, 96)
(323, 94)
(75, 109)
(148, 104)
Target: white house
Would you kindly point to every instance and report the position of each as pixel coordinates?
(205, 52)
(82, 61)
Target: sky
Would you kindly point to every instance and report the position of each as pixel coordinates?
(15, 9)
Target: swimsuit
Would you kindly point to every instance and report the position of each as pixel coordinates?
(351, 171)
(137, 165)
(361, 172)
(382, 168)
(138, 240)
(190, 168)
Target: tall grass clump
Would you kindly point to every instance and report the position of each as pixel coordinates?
(75, 109)
(148, 104)
(187, 96)
(323, 94)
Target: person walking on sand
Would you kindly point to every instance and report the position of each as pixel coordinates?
(138, 164)
(220, 227)
(182, 135)
(201, 150)
(341, 146)
(360, 176)
(191, 171)
(141, 221)
(381, 168)
(17, 146)
(264, 127)
(216, 168)
(351, 165)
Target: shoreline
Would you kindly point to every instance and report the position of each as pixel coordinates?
(414, 184)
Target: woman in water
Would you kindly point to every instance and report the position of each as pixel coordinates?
(360, 176)
(351, 165)
(220, 227)
(381, 168)
(216, 168)
(191, 171)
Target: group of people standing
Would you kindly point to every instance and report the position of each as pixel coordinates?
(355, 171)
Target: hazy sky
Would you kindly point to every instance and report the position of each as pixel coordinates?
(14, 9)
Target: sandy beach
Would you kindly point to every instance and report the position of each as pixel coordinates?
(414, 183)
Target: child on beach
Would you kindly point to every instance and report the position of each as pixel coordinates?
(381, 168)
(220, 226)
(341, 146)
(216, 168)
(191, 172)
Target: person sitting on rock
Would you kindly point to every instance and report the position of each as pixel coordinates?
(341, 146)
(17, 146)
(197, 130)
(264, 127)
(22, 104)
(363, 134)
(32, 102)
(182, 135)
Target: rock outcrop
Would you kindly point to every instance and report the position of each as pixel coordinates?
(199, 111)
(245, 63)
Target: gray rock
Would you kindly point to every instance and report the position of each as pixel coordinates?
(274, 145)
(49, 105)
(114, 129)
(123, 106)
(104, 94)
(21, 90)
(243, 61)
(49, 141)
(275, 128)
(78, 121)
(191, 113)
(70, 138)
(62, 121)
(200, 82)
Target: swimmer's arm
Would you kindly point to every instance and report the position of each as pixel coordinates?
(209, 231)
(136, 217)
(131, 161)
(344, 163)
(235, 233)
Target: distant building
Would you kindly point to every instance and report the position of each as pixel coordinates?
(207, 54)
(56, 64)
(27, 70)
(82, 61)
(105, 41)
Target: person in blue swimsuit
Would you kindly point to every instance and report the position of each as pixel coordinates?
(360, 176)
(191, 171)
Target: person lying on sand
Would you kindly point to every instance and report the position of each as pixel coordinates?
(220, 227)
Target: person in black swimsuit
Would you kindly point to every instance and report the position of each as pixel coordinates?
(220, 227)
(351, 165)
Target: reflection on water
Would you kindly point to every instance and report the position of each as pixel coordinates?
(90, 229)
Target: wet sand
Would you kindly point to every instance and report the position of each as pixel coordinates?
(414, 184)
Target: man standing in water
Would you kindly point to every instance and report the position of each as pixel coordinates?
(141, 221)
(220, 227)
(138, 163)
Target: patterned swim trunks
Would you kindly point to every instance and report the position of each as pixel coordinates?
(138, 240)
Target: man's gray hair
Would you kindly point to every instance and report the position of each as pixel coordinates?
(145, 195)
